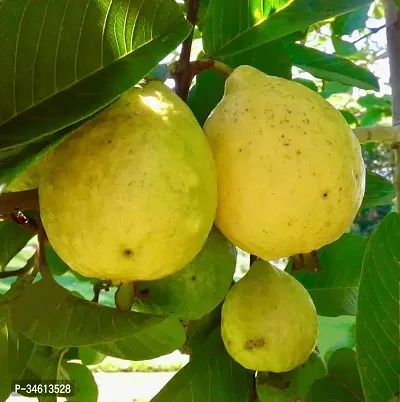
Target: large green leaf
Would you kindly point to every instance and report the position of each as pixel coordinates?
(63, 60)
(13, 238)
(346, 24)
(202, 101)
(378, 316)
(333, 330)
(378, 191)
(15, 349)
(230, 28)
(343, 382)
(71, 321)
(331, 67)
(85, 386)
(211, 376)
(156, 341)
(334, 288)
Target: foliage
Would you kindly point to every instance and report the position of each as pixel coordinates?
(63, 62)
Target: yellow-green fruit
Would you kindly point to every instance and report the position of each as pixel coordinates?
(269, 322)
(131, 195)
(290, 172)
(29, 179)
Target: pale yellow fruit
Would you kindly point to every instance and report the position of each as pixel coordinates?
(131, 195)
(29, 179)
(269, 322)
(290, 171)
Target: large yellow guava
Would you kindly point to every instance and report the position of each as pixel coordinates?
(290, 171)
(269, 322)
(131, 195)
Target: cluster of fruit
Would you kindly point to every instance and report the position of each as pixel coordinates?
(133, 194)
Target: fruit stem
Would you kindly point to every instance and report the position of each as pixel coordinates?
(42, 240)
(184, 78)
(392, 14)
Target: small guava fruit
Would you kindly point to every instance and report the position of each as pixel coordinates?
(124, 296)
(197, 288)
(131, 195)
(290, 172)
(269, 321)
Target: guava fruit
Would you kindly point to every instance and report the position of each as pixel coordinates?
(197, 288)
(131, 195)
(269, 321)
(290, 172)
(29, 179)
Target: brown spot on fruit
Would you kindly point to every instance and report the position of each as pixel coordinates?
(128, 252)
(252, 344)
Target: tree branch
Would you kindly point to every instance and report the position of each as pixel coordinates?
(27, 269)
(184, 77)
(371, 32)
(392, 14)
(377, 134)
(21, 200)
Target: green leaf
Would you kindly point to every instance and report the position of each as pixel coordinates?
(349, 117)
(89, 356)
(15, 349)
(198, 331)
(343, 382)
(57, 266)
(150, 343)
(202, 101)
(378, 191)
(334, 288)
(331, 88)
(342, 47)
(307, 83)
(348, 341)
(13, 238)
(378, 316)
(229, 29)
(332, 330)
(83, 380)
(371, 117)
(212, 376)
(64, 60)
(346, 24)
(70, 321)
(330, 67)
(371, 100)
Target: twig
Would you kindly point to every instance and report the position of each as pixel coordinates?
(253, 389)
(377, 134)
(253, 259)
(371, 32)
(97, 288)
(184, 77)
(43, 268)
(392, 14)
(27, 269)
(21, 200)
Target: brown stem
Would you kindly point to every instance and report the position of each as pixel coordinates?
(21, 200)
(184, 77)
(30, 265)
(253, 259)
(392, 14)
(42, 240)
(253, 389)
